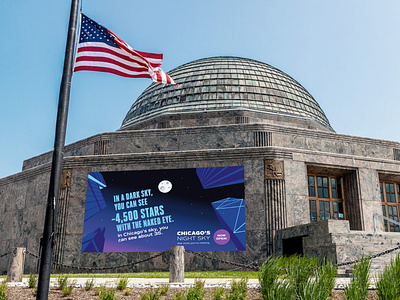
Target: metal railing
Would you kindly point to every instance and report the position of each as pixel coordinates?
(252, 265)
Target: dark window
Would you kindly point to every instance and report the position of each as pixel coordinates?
(326, 200)
(311, 186)
(313, 210)
(390, 192)
(323, 187)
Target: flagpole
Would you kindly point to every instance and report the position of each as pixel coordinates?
(56, 167)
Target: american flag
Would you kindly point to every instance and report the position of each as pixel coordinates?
(99, 49)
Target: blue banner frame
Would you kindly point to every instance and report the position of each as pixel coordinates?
(202, 209)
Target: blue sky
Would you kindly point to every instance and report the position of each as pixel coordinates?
(345, 53)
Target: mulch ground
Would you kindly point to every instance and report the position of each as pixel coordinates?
(18, 293)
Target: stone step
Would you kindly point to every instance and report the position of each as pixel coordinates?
(379, 239)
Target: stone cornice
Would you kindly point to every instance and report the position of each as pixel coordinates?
(154, 158)
(279, 129)
(354, 158)
(180, 156)
(30, 173)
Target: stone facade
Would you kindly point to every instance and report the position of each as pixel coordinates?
(275, 185)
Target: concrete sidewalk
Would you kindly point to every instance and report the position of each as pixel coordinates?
(157, 282)
(144, 282)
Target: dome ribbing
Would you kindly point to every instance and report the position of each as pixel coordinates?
(226, 83)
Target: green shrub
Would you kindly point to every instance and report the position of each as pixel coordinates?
(127, 291)
(89, 284)
(218, 293)
(122, 283)
(357, 289)
(153, 294)
(388, 282)
(3, 289)
(164, 290)
(62, 281)
(32, 281)
(270, 276)
(299, 272)
(281, 290)
(179, 296)
(238, 290)
(395, 266)
(197, 291)
(296, 277)
(67, 290)
(387, 286)
(107, 294)
(320, 287)
(98, 290)
(144, 297)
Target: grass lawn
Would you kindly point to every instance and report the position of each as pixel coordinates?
(203, 274)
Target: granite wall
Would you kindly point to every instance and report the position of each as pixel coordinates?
(22, 204)
(285, 200)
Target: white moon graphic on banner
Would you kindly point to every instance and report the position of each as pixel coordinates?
(165, 186)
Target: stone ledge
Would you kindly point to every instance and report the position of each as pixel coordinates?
(221, 129)
(254, 127)
(152, 158)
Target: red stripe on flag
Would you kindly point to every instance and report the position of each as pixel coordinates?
(150, 55)
(123, 46)
(111, 61)
(110, 70)
(159, 78)
(110, 51)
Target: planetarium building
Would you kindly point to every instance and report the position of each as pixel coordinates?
(304, 188)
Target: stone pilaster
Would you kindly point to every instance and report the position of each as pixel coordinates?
(275, 195)
(370, 198)
(298, 211)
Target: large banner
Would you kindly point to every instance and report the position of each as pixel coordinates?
(202, 209)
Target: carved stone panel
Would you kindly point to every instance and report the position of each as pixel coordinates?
(273, 169)
(66, 178)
